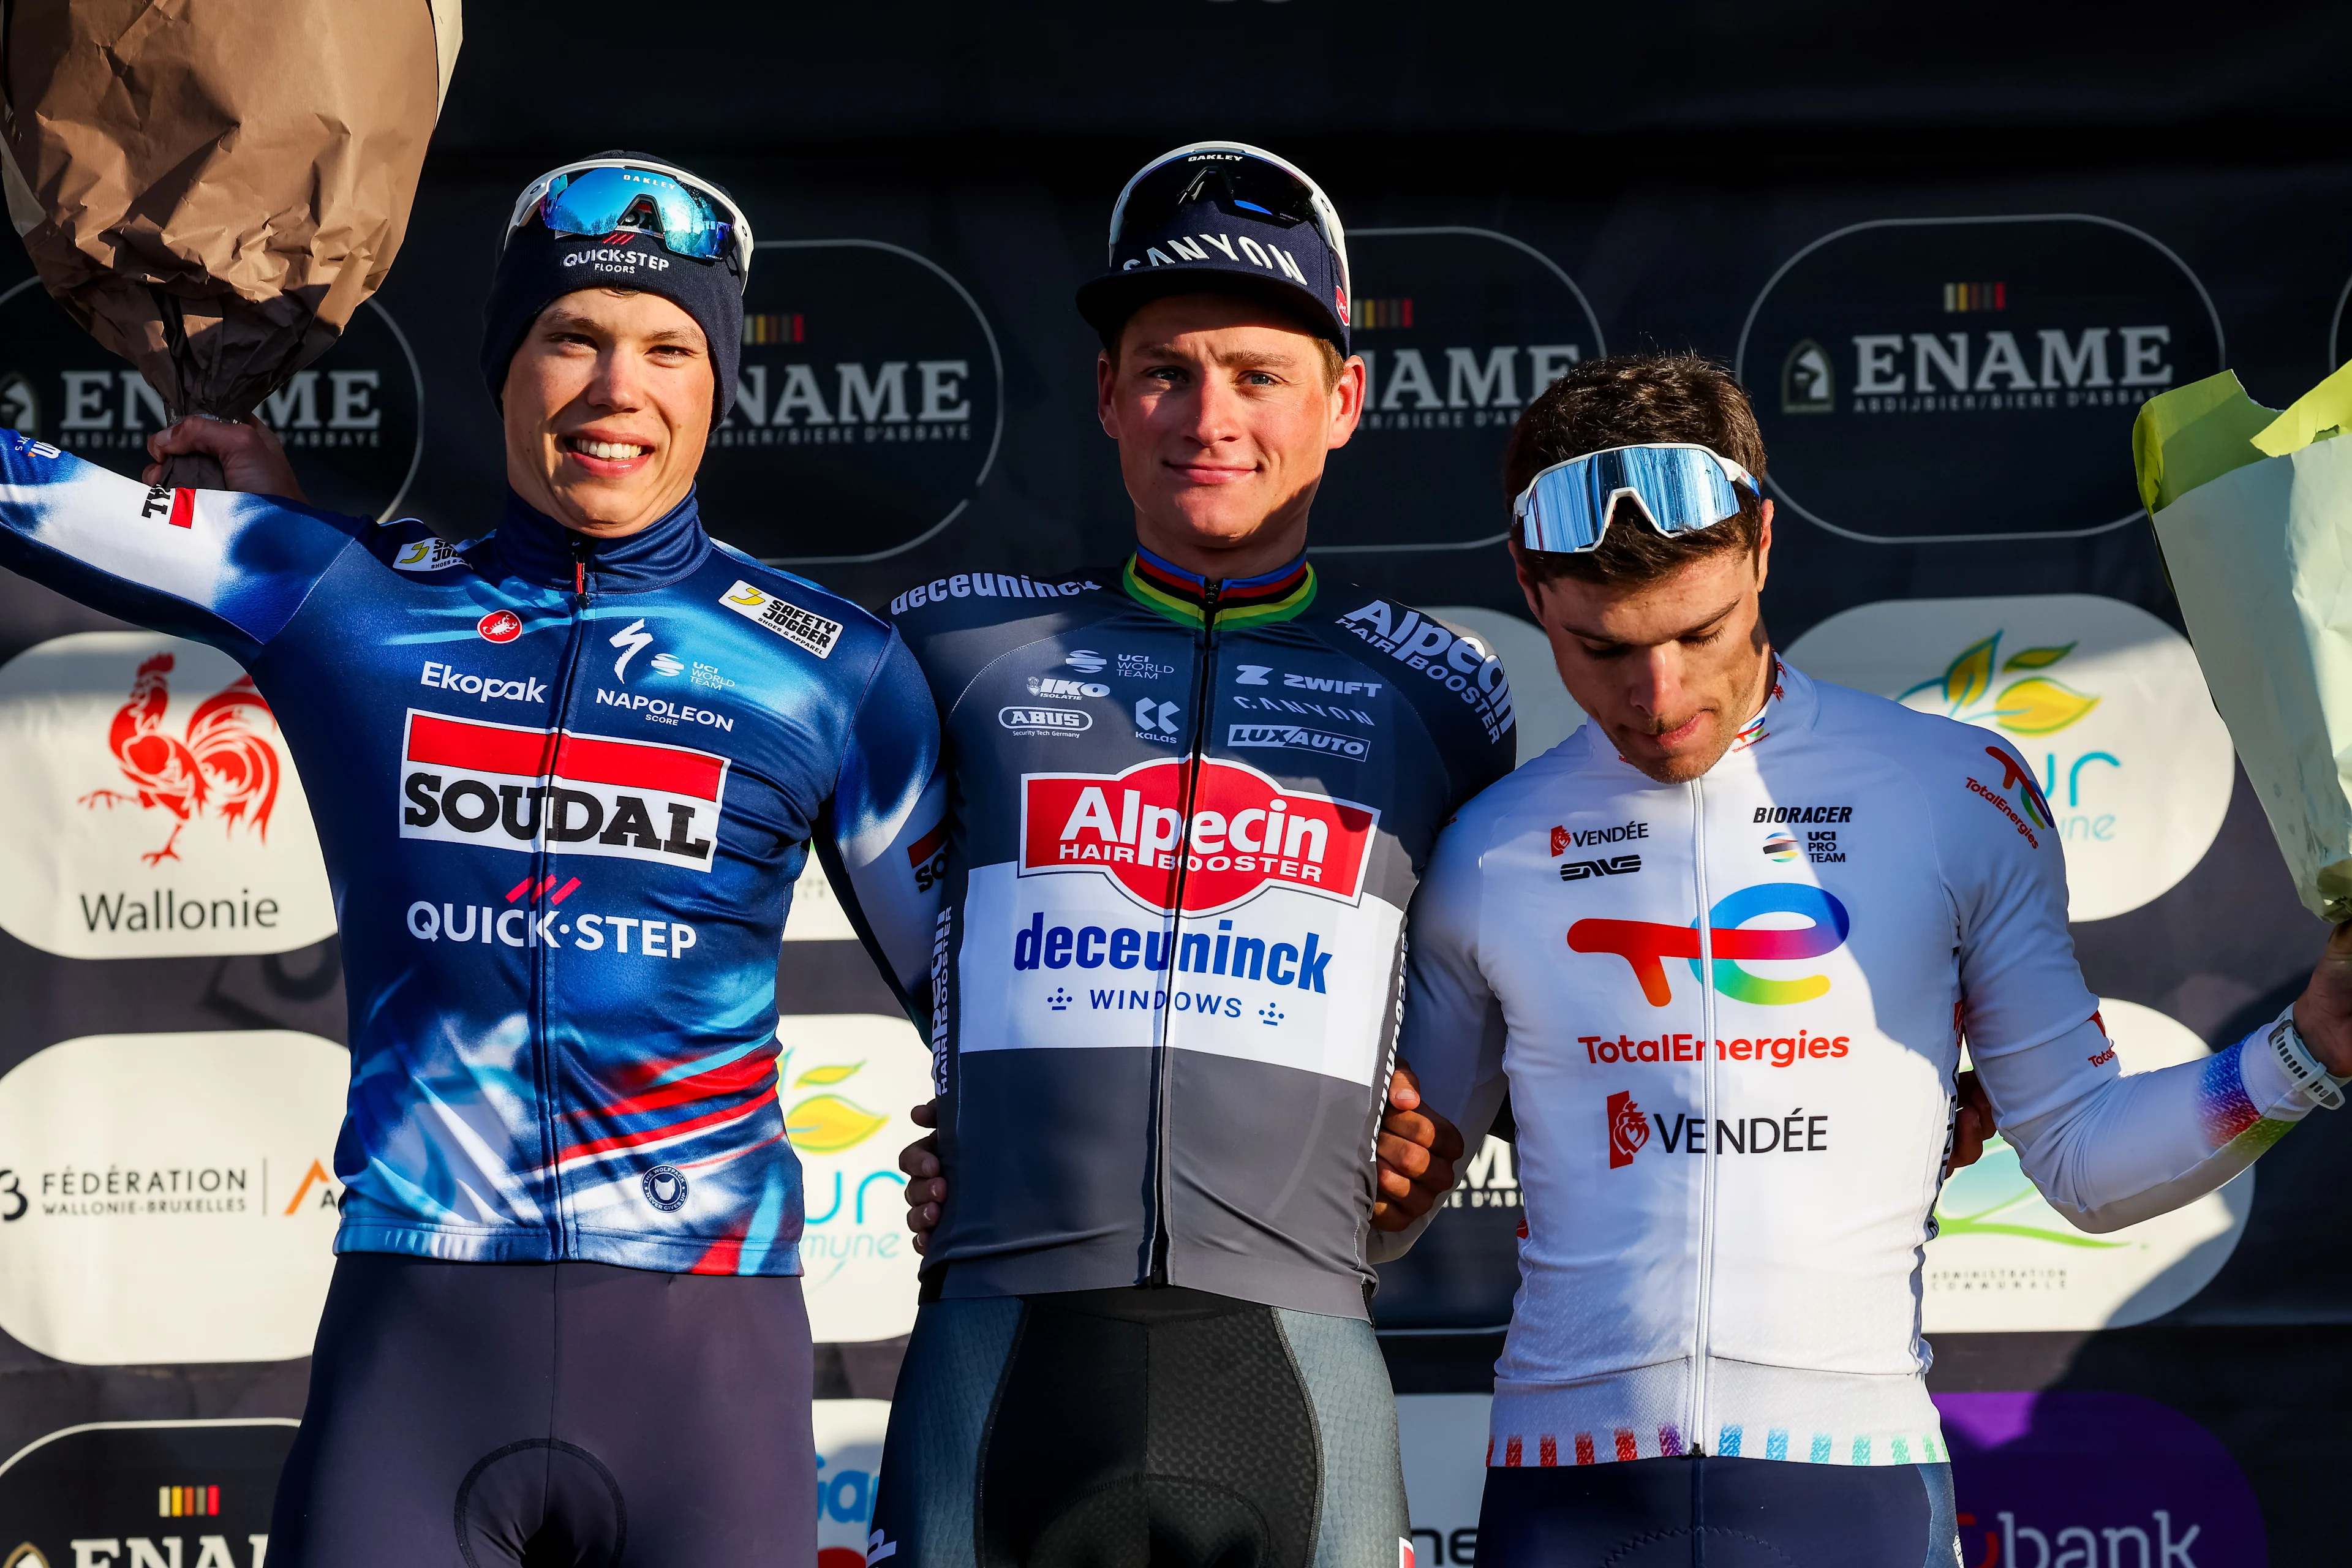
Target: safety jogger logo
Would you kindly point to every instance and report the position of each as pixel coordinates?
(502, 786)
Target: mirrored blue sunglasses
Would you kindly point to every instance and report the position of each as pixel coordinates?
(1679, 486)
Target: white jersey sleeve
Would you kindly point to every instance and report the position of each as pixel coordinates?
(2106, 1150)
(1453, 1032)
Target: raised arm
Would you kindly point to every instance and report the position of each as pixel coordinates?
(219, 566)
(883, 833)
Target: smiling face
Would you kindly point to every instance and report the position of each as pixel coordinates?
(1222, 409)
(608, 404)
(1673, 669)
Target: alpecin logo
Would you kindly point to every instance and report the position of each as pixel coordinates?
(1645, 945)
(1244, 832)
(502, 786)
(1628, 1130)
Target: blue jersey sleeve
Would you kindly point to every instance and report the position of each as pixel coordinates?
(217, 566)
(884, 835)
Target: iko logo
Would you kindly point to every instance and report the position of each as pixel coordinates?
(1628, 1131)
(1086, 661)
(1645, 945)
(632, 640)
(1584, 870)
(665, 1188)
(500, 786)
(1244, 833)
(1156, 719)
(1291, 737)
(1046, 721)
(1067, 690)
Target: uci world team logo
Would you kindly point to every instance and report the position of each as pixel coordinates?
(1645, 945)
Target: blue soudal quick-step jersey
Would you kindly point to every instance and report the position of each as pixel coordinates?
(1186, 817)
(563, 787)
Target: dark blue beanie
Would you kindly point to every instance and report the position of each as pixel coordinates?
(538, 269)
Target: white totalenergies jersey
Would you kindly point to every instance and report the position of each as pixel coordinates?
(1730, 1013)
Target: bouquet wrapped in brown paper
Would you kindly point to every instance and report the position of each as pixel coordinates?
(211, 187)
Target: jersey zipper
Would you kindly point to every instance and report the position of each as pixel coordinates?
(1196, 736)
(581, 549)
(1703, 1324)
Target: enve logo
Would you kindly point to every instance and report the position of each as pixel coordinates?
(1645, 945)
(1246, 831)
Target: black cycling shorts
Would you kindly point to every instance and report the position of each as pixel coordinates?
(1702, 1512)
(473, 1415)
(1138, 1428)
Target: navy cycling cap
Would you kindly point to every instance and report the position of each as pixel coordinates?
(1223, 217)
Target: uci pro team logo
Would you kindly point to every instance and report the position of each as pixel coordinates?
(1647, 944)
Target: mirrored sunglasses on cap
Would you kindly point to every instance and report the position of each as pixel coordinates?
(1679, 486)
(608, 195)
(1245, 181)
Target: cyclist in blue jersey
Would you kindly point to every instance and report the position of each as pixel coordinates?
(1192, 790)
(566, 774)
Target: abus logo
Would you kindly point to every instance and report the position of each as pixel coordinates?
(505, 787)
(1060, 721)
(1246, 831)
(1645, 945)
(1628, 1131)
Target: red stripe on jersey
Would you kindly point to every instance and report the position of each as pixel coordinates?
(443, 742)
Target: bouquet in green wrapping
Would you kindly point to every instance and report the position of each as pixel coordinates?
(2254, 514)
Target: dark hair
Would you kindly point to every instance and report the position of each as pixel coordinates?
(1334, 362)
(1627, 400)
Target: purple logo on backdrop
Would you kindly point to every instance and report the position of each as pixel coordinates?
(2077, 1478)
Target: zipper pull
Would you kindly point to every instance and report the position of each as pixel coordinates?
(580, 548)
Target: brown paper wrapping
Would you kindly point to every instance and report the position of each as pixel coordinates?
(211, 187)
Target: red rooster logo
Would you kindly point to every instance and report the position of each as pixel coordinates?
(224, 765)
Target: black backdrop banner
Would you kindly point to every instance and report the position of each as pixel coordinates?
(1950, 257)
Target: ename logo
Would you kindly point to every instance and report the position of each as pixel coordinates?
(1645, 945)
(2023, 344)
(1246, 832)
(501, 786)
(353, 420)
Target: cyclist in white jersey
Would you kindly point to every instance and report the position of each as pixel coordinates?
(1732, 1067)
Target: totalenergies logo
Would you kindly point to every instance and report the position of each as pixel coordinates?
(1647, 944)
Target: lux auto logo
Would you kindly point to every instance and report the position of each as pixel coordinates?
(1645, 945)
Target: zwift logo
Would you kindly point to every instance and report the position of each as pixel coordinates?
(1645, 945)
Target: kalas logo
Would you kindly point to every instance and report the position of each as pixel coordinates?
(1647, 945)
(1628, 1130)
(505, 787)
(1246, 831)
(499, 625)
(223, 763)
